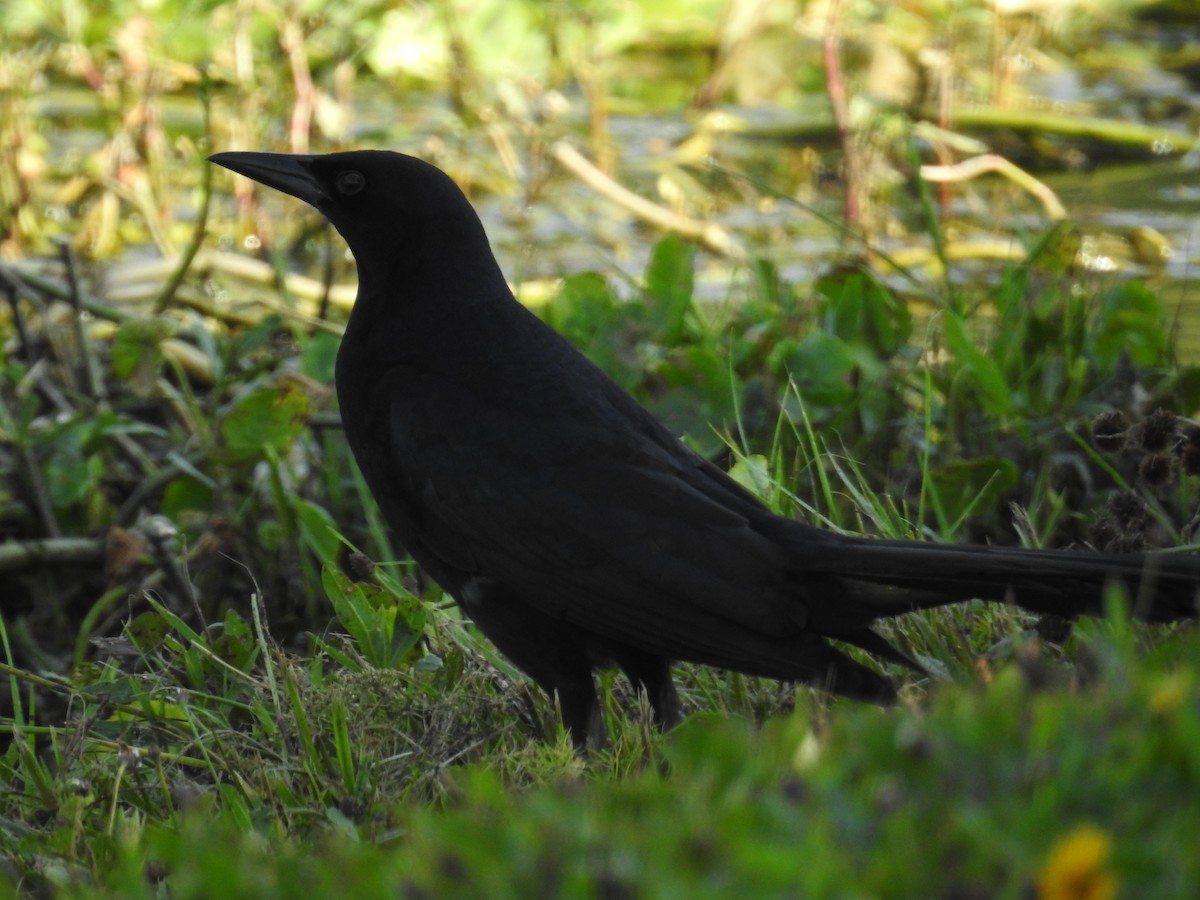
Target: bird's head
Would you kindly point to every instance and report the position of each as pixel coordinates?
(381, 202)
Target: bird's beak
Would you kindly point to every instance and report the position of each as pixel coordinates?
(287, 172)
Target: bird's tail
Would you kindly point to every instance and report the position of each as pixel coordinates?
(1161, 586)
(874, 579)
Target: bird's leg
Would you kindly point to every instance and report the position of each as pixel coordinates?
(652, 674)
(580, 710)
(551, 652)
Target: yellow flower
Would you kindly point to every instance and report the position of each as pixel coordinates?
(1077, 868)
(1168, 695)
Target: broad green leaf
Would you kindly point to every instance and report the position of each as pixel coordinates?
(268, 417)
(821, 366)
(186, 493)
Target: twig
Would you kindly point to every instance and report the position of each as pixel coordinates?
(57, 291)
(49, 552)
(36, 486)
(1160, 142)
(195, 300)
(139, 711)
(123, 442)
(161, 532)
(144, 203)
(990, 162)
(292, 42)
(943, 71)
(89, 380)
(149, 486)
(198, 233)
(710, 235)
(300, 286)
(326, 278)
(836, 88)
(10, 292)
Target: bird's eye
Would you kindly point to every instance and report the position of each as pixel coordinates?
(350, 182)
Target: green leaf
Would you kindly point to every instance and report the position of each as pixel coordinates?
(1131, 321)
(864, 313)
(186, 493)
(753, 472)
(385, 626)
(136, 353)
(147, 631)
(821, 366)
(69, 478)
(975, 368)
(318, 530)
(587, 312)
(584, 305)
(269, 417)
(1187, 386)
(670, 283)
(320, 354)
(257, 337)
(236, 643)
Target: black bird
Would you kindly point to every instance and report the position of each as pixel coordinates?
(572, 526)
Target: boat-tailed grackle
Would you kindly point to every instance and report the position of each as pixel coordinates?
(571, 525)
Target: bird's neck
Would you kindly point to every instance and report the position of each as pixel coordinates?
(426, 295)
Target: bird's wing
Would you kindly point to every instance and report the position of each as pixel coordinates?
(613, 529)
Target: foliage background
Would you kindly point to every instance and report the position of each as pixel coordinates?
(214, 688)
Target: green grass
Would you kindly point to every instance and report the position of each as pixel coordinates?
(217, 763)
(966, 790)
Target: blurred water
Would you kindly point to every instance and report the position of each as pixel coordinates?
(569, 228)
